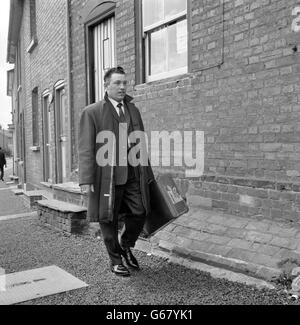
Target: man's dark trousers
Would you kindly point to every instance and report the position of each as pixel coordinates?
(129, 196)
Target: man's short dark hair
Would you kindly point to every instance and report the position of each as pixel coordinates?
(110, 72)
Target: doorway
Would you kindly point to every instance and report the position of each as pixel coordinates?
(103, 55)
(62, 131)
(48, 161)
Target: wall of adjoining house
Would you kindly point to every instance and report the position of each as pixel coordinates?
(249, 107)
(43, 67)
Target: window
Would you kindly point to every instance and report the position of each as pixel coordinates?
(33, 29)
(32, 19)
(166, 38)
(35, 118)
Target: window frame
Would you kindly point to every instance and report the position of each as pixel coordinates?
(35, 118)
(142, 44)
(59, 87)
(46, 98)
(32, 26)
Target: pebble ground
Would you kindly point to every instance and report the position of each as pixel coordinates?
(25, 245)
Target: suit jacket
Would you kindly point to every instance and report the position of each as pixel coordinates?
(94, 119)
(2, 158)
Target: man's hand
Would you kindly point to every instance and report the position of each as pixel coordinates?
(87, 189)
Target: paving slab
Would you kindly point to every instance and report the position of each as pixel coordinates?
(11, 204)
(250, 246)
(18, 216)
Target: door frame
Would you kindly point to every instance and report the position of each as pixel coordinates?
(90, 50)
(59, 86)
(47, 161)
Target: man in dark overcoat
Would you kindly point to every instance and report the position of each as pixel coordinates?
(114, 187)
(2, 164)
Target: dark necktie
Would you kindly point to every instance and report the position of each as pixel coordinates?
(122, 117)
(121, 114)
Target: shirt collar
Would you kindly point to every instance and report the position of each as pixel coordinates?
(115, 103)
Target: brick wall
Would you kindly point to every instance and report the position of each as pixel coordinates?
(42, 68)
(248, 106)
(125, 40)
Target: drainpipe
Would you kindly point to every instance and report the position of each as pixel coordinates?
(70, 83)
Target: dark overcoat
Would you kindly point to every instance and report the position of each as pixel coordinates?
(2, 158)
(95, 119)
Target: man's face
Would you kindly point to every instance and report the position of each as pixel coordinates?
(116, 88)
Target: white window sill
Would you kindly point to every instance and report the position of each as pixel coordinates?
(32, 45)
(35, 149)
(166, 75)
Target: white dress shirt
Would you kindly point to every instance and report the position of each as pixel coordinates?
(115, 105)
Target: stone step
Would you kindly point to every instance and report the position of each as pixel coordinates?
(31, 197)
(61, 206)
(62, 216)
(71, 193)
(18, 192)
(14, 179)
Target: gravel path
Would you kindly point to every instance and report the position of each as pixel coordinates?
(25, 245)
(9, 203)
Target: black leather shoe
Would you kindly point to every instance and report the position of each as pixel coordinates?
(131, 261)
(120, 270)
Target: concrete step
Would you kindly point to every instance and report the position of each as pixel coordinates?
(18, 192)
(31, 197)
(70, 192)
(61, 206)
(62, 216)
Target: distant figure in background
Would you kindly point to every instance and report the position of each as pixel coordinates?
(2, 164)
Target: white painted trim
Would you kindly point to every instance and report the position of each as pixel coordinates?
(59, 84)
(169, 74)
(32, 45)
(46, 93)
(35, 149)
(165, 21)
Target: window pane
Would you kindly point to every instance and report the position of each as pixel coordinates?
(177, 45)
(35, 117)
(153, 11)
(158, 52)
(106, 54)
(174, 7)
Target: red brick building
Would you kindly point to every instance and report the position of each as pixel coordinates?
(38, 46)
(228, 68)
